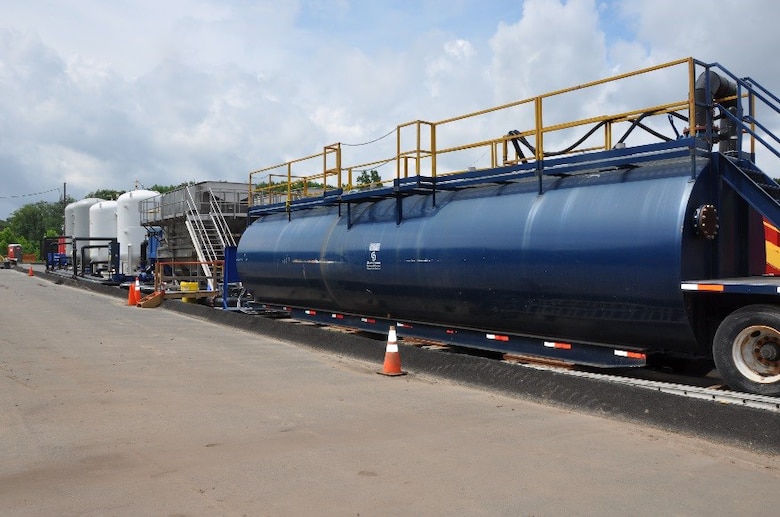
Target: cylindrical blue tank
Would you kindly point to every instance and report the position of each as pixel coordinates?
(597, 258)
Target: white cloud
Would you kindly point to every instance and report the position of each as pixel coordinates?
(553, 45)
(99, 94)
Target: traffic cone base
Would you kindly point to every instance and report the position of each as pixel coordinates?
(392, 364)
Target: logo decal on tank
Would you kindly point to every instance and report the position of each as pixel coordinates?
(373, 263)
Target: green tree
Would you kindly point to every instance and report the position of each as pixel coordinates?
(368, 178)
(162, 189)
(281, 186)
(107, 194)
(29, 224)
(7, 237)
(29, 221)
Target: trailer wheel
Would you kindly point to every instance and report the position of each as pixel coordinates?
(746, 350)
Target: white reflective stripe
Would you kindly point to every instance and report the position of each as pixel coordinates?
(490, 336)
(621, 353)
(689, 287)
(549, 344)
(392, 348)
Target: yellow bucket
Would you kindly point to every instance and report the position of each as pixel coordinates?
(188, 286)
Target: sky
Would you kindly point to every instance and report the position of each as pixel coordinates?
(122, 95)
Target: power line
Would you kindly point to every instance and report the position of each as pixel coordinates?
(32, 194)
(371, 141)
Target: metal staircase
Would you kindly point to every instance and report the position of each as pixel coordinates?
(737, 167)
(759, 190)
(209, 232)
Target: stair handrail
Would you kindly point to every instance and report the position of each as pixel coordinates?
(196, 220)
(746, 128)
(753, 85)
(747, 122)
(223, 230)
(749, 83)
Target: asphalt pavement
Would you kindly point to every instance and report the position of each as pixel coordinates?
(116, 410)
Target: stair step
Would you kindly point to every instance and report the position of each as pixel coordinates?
(773, 191)
(765, 183)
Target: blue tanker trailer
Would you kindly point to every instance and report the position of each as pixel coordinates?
(600, 257)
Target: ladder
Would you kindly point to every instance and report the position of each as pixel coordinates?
(209, 232)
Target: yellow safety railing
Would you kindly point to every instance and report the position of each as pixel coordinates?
(278, 183)
(423, 146)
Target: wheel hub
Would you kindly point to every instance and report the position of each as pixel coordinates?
(770, 351)
(756, 353)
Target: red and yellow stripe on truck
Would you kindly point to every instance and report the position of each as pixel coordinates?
(772, 240)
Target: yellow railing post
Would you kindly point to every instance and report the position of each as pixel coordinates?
(691, 97)
(324, 167)
(434, 151)
(539, 129)
(419, 145)
(333, 149)
(289, 185)
(398, 151)
(338, 165)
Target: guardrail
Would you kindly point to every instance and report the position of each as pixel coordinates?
(434, 149)
(174, 204)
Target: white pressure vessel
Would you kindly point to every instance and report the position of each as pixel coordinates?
(78, 215)
(102, 224)
(130, 233)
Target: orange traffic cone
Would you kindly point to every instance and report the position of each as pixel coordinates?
(392, 365)
(132, 293)
(30, 272)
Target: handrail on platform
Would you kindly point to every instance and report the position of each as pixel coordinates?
(746, 124)
(423, 146)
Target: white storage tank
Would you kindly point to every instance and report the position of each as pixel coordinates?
(79, 222)
(130, 233)
(102, 224)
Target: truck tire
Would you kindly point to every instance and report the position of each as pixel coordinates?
(746, 349)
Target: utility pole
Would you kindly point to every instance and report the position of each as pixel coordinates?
(64, 201)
